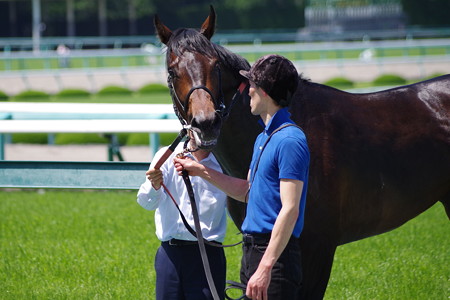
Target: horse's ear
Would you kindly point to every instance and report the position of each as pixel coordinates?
(209, 25)
(164, 33)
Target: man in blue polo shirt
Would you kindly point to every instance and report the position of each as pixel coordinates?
(275, 188)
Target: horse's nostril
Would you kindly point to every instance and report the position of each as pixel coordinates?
(194, 123)
(204, 123)
(207, 128)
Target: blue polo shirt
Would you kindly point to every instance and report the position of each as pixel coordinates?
(286, 156)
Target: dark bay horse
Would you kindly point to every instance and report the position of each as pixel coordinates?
(377, 159)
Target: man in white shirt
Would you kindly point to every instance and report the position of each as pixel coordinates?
(178, 264)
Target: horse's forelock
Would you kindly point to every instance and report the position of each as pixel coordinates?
(191, 40)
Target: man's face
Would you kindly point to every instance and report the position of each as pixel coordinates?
(258, 101)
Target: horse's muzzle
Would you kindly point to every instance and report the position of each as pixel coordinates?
(206, 131)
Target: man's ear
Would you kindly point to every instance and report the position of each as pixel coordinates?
(265, 94)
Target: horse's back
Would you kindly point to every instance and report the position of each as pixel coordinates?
(423, 107)
(384, 157)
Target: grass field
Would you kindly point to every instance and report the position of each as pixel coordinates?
(101, 245)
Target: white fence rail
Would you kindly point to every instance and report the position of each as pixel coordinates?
(87, 118)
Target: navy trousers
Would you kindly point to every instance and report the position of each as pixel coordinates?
(180, 274)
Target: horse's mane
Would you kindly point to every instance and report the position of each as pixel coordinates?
(186, 39)
(231, 60)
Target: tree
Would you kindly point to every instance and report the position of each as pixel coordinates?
(427, 13)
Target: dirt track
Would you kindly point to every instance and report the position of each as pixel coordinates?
(73, 153)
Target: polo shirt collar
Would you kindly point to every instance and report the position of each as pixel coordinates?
(278, 119)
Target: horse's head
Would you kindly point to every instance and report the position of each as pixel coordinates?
(195, 79)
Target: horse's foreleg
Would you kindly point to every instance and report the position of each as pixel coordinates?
(237, 211)
(317, 260)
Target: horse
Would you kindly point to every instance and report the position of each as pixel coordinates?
(377, 159)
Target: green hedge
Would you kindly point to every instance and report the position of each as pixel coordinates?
(114, 90)
(79, 138)
(138, 139)
(129, 139)
(153, 88)
(31, 95)
(3, 96)
(135, 139)
(29, 138)
(389, 79)
(73, 93)
(340, 82)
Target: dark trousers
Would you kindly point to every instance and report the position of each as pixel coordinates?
(286, 273)
(180, 274)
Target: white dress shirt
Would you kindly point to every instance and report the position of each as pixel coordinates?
(211, 202)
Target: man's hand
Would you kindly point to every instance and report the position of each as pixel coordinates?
(191, 166)
(155, 177)
(258, 284)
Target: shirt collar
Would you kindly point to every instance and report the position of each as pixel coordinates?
(280, 117)
(209, 158)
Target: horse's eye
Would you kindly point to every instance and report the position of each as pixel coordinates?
(171, 73)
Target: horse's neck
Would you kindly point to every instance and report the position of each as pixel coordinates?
(314, 99)
(237, 137)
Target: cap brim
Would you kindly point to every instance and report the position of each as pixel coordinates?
(245, 73)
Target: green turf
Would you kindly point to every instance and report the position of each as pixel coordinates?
(411, 262)
(101, 245)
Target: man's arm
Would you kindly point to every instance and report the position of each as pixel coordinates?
(290, 193)
(234, 187)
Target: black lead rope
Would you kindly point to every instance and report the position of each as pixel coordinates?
(201, 242)
(237, 286)
(223, 112)
(197, 232)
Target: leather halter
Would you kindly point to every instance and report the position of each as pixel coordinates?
(219, 102)
(222, 110)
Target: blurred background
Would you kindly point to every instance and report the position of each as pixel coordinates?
(70, 18)
(106, 51)
(50, 45)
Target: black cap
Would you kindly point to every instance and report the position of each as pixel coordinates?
(276, 75)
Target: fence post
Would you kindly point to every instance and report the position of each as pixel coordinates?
(154, 143)
(3, 116)
(2, 146)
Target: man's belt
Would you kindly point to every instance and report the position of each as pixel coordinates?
(256, 238)
(176, 242)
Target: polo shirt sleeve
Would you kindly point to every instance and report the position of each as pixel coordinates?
(293, 159)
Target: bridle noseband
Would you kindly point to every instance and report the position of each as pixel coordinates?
(218, 103)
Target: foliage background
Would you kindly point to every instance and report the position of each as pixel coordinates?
(245, 15)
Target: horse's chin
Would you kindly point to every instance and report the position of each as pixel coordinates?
(208, 145)
(204, 143)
